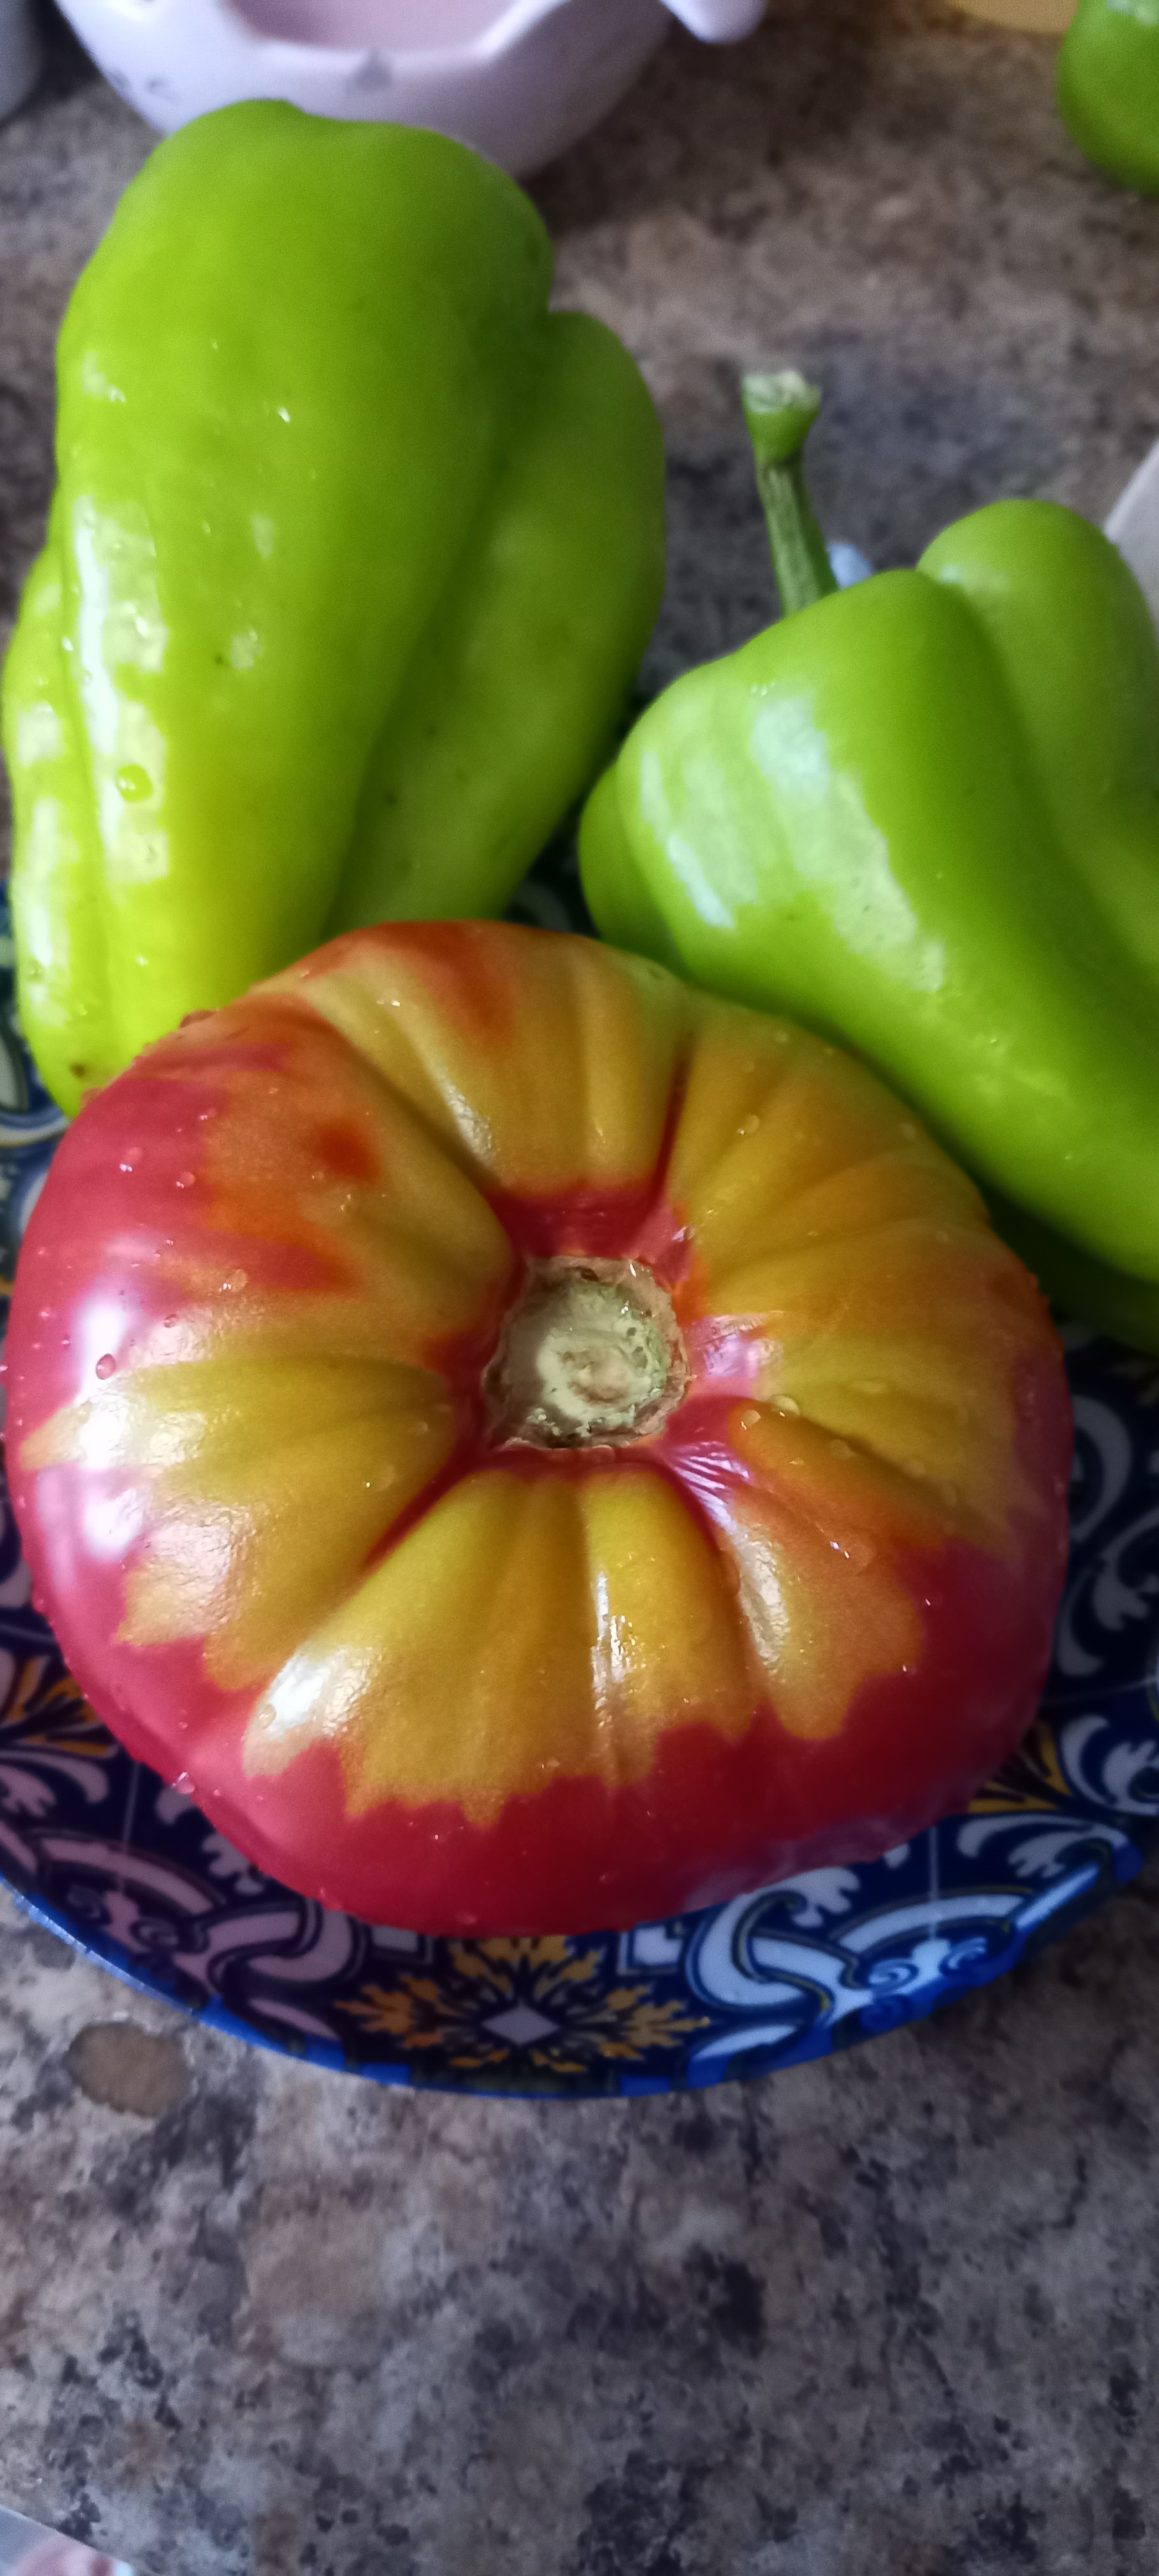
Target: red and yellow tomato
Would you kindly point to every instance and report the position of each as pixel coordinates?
(530, 1447)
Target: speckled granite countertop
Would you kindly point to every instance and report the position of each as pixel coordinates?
(891, 2315)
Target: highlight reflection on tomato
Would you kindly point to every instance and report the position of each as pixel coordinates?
(530, 1447)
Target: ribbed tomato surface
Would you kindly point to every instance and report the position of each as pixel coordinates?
(528, 1446)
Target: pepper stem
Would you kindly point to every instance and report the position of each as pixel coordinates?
(780, 411)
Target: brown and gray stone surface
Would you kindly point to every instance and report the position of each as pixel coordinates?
(893, 2315)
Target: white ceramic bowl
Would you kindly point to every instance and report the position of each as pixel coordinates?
(519, 79)
(1133, 527)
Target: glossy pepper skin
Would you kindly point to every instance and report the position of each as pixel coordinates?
(751, 1569)
(923, 815)
(353, 555)
(1107, 86)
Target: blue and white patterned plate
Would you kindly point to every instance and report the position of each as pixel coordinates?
(96, 1847)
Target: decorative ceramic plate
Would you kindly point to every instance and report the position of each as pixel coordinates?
(96, 1847)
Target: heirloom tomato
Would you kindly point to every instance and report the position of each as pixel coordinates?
(530, 1447)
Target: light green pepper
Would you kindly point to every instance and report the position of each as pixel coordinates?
(354, 552)
(923, 815)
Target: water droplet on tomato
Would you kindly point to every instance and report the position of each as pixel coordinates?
(236, 1279)
(748, 1126)
(106, 1366)
(859, 1553)
(185, 1180)
(841, 1449)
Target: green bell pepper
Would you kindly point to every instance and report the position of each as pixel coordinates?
(1107, 86)
(354, 552)
(923, 815)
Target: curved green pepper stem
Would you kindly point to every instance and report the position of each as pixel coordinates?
(780, 411)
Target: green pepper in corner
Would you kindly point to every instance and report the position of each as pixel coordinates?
(923, 815)
(1107, 86)
(354, 553)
